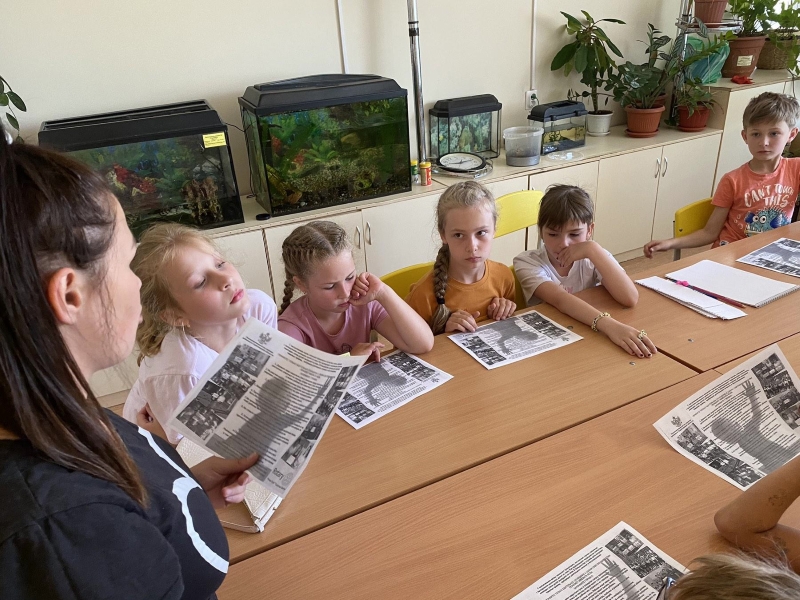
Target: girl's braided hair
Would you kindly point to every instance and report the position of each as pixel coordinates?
(466, 194)
(308, 244)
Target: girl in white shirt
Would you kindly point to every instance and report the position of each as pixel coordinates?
(570, 262)
(193, 303)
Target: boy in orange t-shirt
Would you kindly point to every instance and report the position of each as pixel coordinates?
(760, 195)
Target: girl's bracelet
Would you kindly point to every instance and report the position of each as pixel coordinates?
(597, 319)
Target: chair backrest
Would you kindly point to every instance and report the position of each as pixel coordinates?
(692, 217)
(518, 210)
(519, 297)
(402, 279)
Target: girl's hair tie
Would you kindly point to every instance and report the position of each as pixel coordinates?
(439, 300)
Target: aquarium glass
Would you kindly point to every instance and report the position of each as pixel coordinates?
(562, 134)
(176, 179)
(327, 156)
(478, 133)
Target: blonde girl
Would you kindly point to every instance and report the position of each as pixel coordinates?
(339, 309)
(193, 303)
(464, 287)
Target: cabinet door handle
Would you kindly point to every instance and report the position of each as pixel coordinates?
(658, 168)
(666, 164)
(358, 238)
(368, 233)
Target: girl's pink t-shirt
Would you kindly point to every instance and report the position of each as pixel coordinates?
(757, 202)
(299, 322)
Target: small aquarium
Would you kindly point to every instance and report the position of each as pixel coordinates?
(469, 124)
(325, 140)
(164, 163)
(564, 125)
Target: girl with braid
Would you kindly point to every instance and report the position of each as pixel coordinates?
(464, 287)
(193, 304)
(339, 309)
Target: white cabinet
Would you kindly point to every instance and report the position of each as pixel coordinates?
(638, 193)
(248, 252)
(626, 200)
(401, 234)
(687, 175)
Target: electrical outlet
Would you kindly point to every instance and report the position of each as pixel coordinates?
(531, 99)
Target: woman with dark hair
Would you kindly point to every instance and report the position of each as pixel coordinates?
(92, 506)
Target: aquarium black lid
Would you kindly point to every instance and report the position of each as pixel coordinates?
(557, 110)
(129, 126)
(468, 105)
(317, 91)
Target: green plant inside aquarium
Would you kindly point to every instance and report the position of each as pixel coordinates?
(332, 155)
(173, 179)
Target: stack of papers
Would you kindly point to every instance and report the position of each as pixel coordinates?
(698, 302)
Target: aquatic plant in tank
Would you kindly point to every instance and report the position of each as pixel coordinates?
(181, 171)
(326, 155)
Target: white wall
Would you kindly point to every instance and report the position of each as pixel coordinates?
(85, 56)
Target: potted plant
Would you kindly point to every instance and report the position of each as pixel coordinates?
(779, 49)
(694, 103)
(589, 55)
(747, 45)
(9, 100)
(641, 88)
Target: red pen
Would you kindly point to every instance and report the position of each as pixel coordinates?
(712, 295)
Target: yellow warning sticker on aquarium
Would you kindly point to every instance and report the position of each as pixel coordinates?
(212, 140)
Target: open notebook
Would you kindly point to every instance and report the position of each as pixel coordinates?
(729, 282)
(259, 503)
(705, 305)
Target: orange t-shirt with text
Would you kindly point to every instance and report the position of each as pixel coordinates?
(757, 202)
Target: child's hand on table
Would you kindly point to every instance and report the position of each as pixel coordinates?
(633, 341)
(461, 321)
(371, 349)
(501, 308)
(653, 246)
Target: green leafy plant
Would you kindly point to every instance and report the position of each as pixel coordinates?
(10, 100)
(641, 85)
(588, 54)
(785, 24)
(755, 15)
(693, 95)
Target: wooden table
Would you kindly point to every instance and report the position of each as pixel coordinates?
(495, 529)
(475, 417)
(698, 341)
(790, 347)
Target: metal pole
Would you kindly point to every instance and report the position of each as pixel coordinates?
(416, 69)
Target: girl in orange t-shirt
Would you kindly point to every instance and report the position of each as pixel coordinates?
(464, 287)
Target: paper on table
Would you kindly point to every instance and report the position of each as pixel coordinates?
(705, 305)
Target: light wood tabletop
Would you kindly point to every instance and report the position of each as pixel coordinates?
(492, 531)
(473, 418)
(790, 347)
(698, 341)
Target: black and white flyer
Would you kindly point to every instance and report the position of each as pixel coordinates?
(621, 564)
(379, 388)
(743, 425)
(522, 336)
(781, 256)
(270, 394)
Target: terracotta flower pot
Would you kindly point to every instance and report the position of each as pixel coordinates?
(709, 11)
(744, 56)
(696, 122)
(643, 122)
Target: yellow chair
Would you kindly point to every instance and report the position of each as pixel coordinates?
(518, 210)
(402, 279)
(692, 217)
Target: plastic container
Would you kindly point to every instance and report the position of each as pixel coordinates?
(564, 125)
(164, 163)
(326, 140)
(523, 146)
(469, 124)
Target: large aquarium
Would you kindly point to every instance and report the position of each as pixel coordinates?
(165, 163)
(326, 140)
